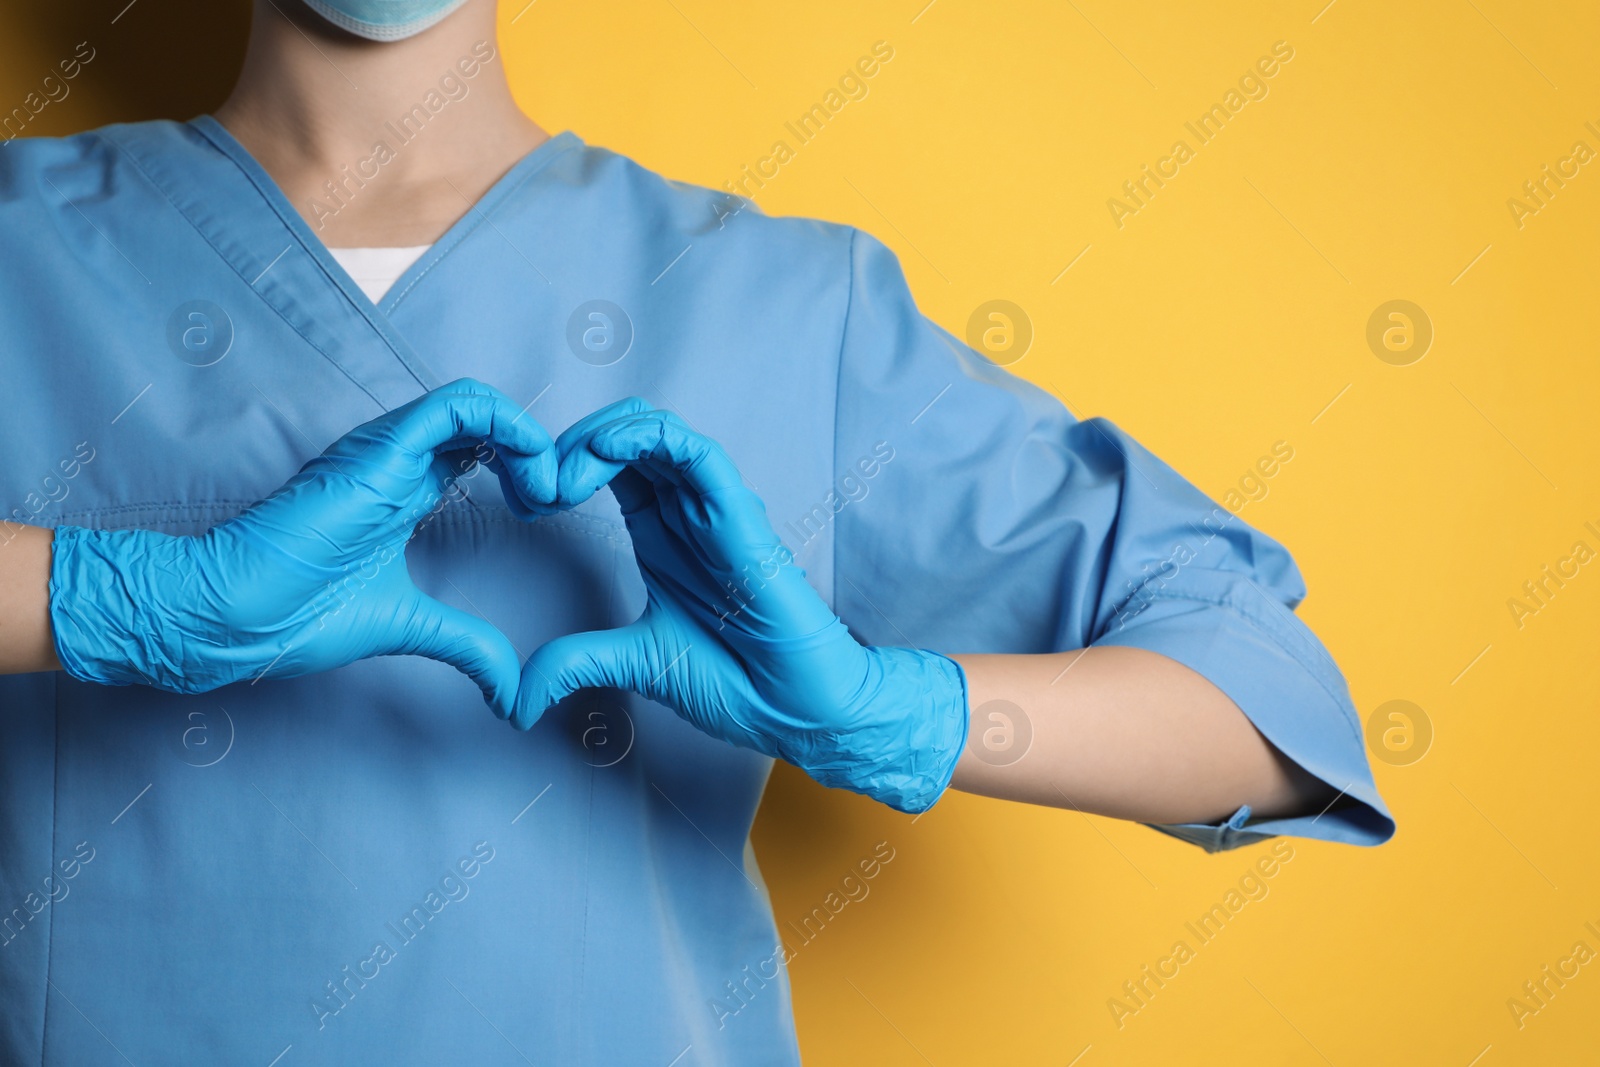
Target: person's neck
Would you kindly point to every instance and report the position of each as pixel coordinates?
(378, 144)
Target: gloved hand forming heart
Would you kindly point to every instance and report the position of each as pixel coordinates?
(732, 637)
(311, 578)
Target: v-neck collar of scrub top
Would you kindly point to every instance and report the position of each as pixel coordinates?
(253, 226)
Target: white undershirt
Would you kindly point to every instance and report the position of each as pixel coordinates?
(377, 269)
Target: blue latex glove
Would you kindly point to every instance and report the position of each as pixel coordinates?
(732, 638)
(313, 577)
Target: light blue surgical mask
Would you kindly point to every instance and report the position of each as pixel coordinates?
(384, 20)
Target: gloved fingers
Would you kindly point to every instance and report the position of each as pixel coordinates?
(582, 472)
(523, 478)
(658, 467)
(577, 661)
(718, 513)
(466, 642)
(509, 489)
(662, 473)
(528, 482)
(663, 447)
(579, 432)
(449, 466)
(467, 410)
(633, 491)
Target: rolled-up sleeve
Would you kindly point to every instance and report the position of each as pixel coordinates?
(976, 514)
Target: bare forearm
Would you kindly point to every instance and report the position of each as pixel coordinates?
(1126, 733)
(26, 641)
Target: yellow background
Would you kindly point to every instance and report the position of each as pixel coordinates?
(1224, 317)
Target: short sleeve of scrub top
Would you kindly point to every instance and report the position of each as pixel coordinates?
(1001, 523)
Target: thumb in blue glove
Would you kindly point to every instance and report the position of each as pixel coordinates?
(313, 577)
(732, 637)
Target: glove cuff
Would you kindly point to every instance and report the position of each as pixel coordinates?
(104, 609)
(906, 754)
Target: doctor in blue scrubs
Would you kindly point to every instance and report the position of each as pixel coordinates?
(367, 389)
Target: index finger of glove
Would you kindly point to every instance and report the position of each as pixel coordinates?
(466, 410)
(662, 447)
(582, 473)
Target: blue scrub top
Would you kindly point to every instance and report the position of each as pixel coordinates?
(364, 866)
